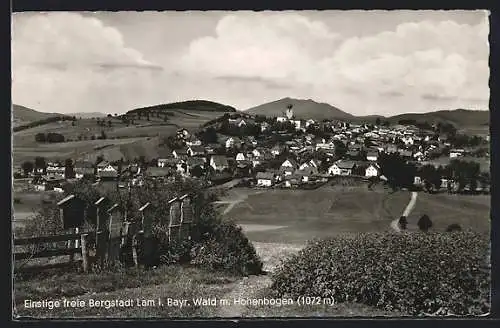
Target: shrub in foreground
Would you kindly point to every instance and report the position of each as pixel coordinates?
(228, 250)
(413, 273)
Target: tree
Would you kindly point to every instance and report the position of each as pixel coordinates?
(40, 137)
(402, 222)
(103, 135)
(69, 170)
(109, 115)
(377, 121)
(424, 223)
(453, 227)
(27, 167)
(40, 163)
(109, 124)
(99, 159)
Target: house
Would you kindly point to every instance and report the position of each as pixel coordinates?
(196, 151)
(240, 157)
(84, 168)
(454, 153)
(373, 170)
(309, 122)
(325, 145)
(182, 133)
(372, 156)
(180, 153)
(264, 126)
(193, 141)
(55, 168)
(298, 124)
(105, 166)
(233, 142)
(163, 162)
(341, 168)
(219, 162)
(276, 150)
(159, 172)
(292, 180)
(281, 119)
(406, 153)
(193, 162)
(408, 140)
(391, 148)
(49, 182)
(108, 174)
(289, 166)
(265, 179)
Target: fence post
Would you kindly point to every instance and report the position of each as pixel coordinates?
(85, 258)
(134, 251)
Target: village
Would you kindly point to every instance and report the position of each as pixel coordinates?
(281, 152)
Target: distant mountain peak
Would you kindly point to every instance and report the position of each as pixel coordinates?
(302, 108)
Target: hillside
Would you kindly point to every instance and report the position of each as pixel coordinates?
(301, 108)
(23, 115)
(190, 105)
(457, 117)
(88, 115)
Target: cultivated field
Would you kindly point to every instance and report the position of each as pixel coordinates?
(296, 216)
(132, 140)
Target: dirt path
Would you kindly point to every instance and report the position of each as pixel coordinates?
(249, 287)
(411, 204)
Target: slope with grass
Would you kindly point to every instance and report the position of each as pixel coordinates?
(23, 115)
(301, 108)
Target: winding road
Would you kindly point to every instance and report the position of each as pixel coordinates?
(411, 204)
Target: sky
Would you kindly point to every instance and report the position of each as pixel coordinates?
(363, 62)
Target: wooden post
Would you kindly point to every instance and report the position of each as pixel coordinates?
(134, 251)
(85, 255)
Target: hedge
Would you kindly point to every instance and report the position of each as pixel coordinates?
(418, 273)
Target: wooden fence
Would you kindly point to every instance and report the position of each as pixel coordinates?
(79, 246)
(116, 234)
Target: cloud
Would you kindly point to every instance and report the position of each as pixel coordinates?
(67, 62)
(64, 38)
(414, 59)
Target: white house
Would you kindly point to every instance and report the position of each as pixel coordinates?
(372, 156)
(309, 122)
(454, 153)
(373, 170)
(256, 153)
(298, 124)
(240, 157)
(341, 168)
(265, 179)
(289, 166)
(408, 140)
(281, 119)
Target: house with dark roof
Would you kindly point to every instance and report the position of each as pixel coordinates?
(196, 151)
(265, 179)
(159, 172)
(181, 153)
(219, 162)
(289, 166)
(342, 168)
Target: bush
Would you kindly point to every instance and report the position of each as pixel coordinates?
(454, 227)
(228, 250)
(413, 273)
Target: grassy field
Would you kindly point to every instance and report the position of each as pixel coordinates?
(484, 162)
(330, 210)
(63, 150)
(132, 140)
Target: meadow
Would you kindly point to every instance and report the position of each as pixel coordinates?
(128, 142)
(300, 215)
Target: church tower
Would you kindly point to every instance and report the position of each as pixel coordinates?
(289, 112)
